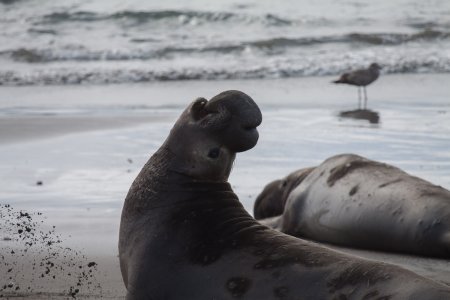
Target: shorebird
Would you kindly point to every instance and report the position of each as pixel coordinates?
(361, 78)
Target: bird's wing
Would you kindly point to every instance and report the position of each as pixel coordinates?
(359, 77)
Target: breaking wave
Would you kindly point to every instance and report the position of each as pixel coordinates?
(140, 17)
(267, 46)
(68, 76)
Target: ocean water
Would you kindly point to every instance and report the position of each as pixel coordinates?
(50, 42)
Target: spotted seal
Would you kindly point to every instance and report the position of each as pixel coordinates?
(352, 201)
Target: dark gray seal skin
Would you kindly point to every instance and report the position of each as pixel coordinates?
(185, 235)
(355, 202)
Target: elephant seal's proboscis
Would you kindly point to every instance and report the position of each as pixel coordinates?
(352, 201)
(185, 235)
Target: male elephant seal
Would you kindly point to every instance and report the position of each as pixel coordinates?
(353, 201)
(185, 235)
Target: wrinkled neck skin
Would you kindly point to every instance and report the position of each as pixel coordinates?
(164, 182)
(177, 211)
(162, 190)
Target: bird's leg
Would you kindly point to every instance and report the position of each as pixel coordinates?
(365, 98)
(359, 97)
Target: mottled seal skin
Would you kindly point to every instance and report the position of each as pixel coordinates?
(185, 235)
(352, 201)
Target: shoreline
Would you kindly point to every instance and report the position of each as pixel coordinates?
(33, 112)
(28, 128)
(135, 96)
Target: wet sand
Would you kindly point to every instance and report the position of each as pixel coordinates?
(27, 128)
(86, 145)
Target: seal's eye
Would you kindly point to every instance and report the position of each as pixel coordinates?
(284, 183)
(214, 153)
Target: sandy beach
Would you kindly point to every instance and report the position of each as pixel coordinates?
(85, 145)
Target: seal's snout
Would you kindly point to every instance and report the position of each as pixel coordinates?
(251, 120)
(240, 133)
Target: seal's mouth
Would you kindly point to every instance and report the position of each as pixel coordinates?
(251, 123)
(249, 128)
(246, 135)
